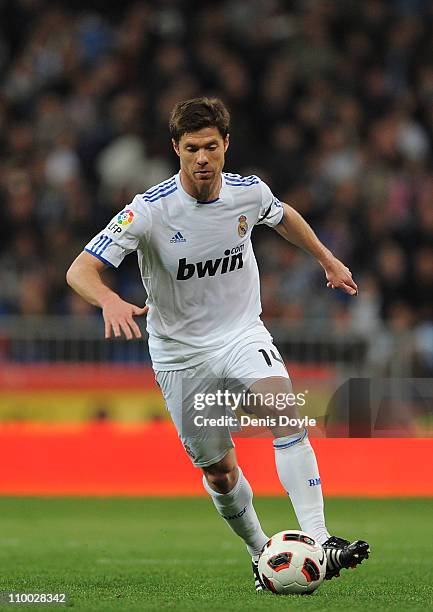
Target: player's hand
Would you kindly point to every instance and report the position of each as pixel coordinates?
(340, 277)
(118, 316)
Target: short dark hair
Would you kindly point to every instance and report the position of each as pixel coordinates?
(198, 113)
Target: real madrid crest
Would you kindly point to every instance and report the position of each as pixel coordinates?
(243, 226)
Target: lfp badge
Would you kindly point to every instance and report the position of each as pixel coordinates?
(125, 217)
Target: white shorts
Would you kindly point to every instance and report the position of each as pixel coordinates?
(234, 368)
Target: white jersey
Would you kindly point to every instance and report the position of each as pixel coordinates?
(197, 264)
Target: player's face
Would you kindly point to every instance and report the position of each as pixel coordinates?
(201, 157)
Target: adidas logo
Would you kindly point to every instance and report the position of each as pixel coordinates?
(178, 238)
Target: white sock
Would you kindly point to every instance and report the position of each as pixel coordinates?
(236, 507)
(298, 473)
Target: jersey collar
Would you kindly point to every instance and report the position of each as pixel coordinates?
(190, 200)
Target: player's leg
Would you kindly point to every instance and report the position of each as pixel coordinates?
(233, 499)
(294, 456)
(212, 450)
(298, 473)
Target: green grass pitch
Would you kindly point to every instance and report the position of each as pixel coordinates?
(157, 554)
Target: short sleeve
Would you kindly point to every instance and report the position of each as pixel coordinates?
(123, 234)
(271, 209)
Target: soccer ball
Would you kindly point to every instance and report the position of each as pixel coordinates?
(292, 562)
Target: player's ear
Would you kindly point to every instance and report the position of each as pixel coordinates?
(175, 146)
(226, 142)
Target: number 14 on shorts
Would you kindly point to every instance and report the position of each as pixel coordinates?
(271, 354)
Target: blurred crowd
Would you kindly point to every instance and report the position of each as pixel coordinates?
(331, 103)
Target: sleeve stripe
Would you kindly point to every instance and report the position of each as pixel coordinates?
(98, 242)
(101, 244)
(266, 213)
(282, 216)
(105, 261)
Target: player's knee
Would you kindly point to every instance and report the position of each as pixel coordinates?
(222, 476)
(222, 482)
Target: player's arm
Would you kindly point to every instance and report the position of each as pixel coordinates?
(296, 230)
(85, 277)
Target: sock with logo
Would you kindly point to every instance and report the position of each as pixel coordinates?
(236, 507)
(298, 473)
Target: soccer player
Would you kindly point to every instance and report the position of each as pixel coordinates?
(192, 234)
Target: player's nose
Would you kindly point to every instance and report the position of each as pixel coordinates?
(201, 157)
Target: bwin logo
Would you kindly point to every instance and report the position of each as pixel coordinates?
(313, 482)
(210, 267)
(230, 517)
